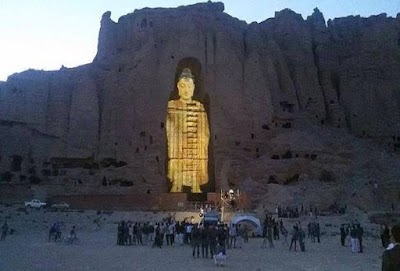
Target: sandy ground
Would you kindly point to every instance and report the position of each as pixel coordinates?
(28, 248)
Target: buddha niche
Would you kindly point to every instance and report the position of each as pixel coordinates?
(187, 138)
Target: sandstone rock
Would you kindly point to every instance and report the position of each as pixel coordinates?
(282, 97)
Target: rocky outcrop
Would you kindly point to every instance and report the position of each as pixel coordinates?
(259, 83)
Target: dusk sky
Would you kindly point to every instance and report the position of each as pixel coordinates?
(45, 34)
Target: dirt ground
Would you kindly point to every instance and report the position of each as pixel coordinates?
(29, 249)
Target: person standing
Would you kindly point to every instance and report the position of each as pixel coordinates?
(170, 233)
(181, 233)
(302, 236)
(196, 240)
(342, 234)
(232, 236)
(284, 232)
(204, 241)
(313, 231)
(294, 238)
(212, 233)
(151, 232)
(158, 237)
(4, 230)
(385, 236)
(130, 231)
(269, 236)
(246, 234)
(360, 233)
(354, 239)
(275, 230)
(391, 256)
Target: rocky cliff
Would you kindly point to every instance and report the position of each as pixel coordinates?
(280, 95)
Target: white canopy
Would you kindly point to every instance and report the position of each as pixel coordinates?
(248, 218)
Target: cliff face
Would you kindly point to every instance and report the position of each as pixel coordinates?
(257, 82)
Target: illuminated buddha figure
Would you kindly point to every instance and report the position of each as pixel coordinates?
(187, 137)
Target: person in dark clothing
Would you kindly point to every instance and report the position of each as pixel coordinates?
(360, 233)
(294, 238)
(391, 256)
(196, 240)
(212, 233)
(275, 230)
(158, 237)
(302, 237)
(222, 234)
(4, 231)
(269, 236)
(385, 236)
(343, 234)
(354, 239)
(204, 242)
(120, 237)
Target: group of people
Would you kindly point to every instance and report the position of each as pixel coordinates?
(55, 233)
(298, 235)
(314, 232)
(296, 211)
(209, 240)
(134, 233)
(273, 229)
(356, 233)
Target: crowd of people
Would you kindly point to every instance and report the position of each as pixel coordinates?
(211, 240)
(356, 233)
(207, 240)
(301, 210)
(295, 211)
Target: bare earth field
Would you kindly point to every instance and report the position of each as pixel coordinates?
(28, 248)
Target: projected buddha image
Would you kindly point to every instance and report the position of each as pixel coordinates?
(187, 137)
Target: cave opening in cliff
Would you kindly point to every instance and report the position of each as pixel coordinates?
(189, 163)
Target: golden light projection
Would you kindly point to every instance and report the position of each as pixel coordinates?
(188, 136)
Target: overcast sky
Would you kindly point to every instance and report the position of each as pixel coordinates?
(45, 34)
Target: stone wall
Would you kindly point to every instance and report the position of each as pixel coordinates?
(258, 82)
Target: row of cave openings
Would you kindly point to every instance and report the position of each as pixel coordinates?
(54, 168)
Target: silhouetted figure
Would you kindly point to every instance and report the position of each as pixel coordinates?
(343, 235)
(4, 231)
(385, 236)
(295, 237)
(104, 181)
(302, 237)
(360, 233)
(391, 256)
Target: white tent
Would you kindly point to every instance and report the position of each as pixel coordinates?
(248, 218)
